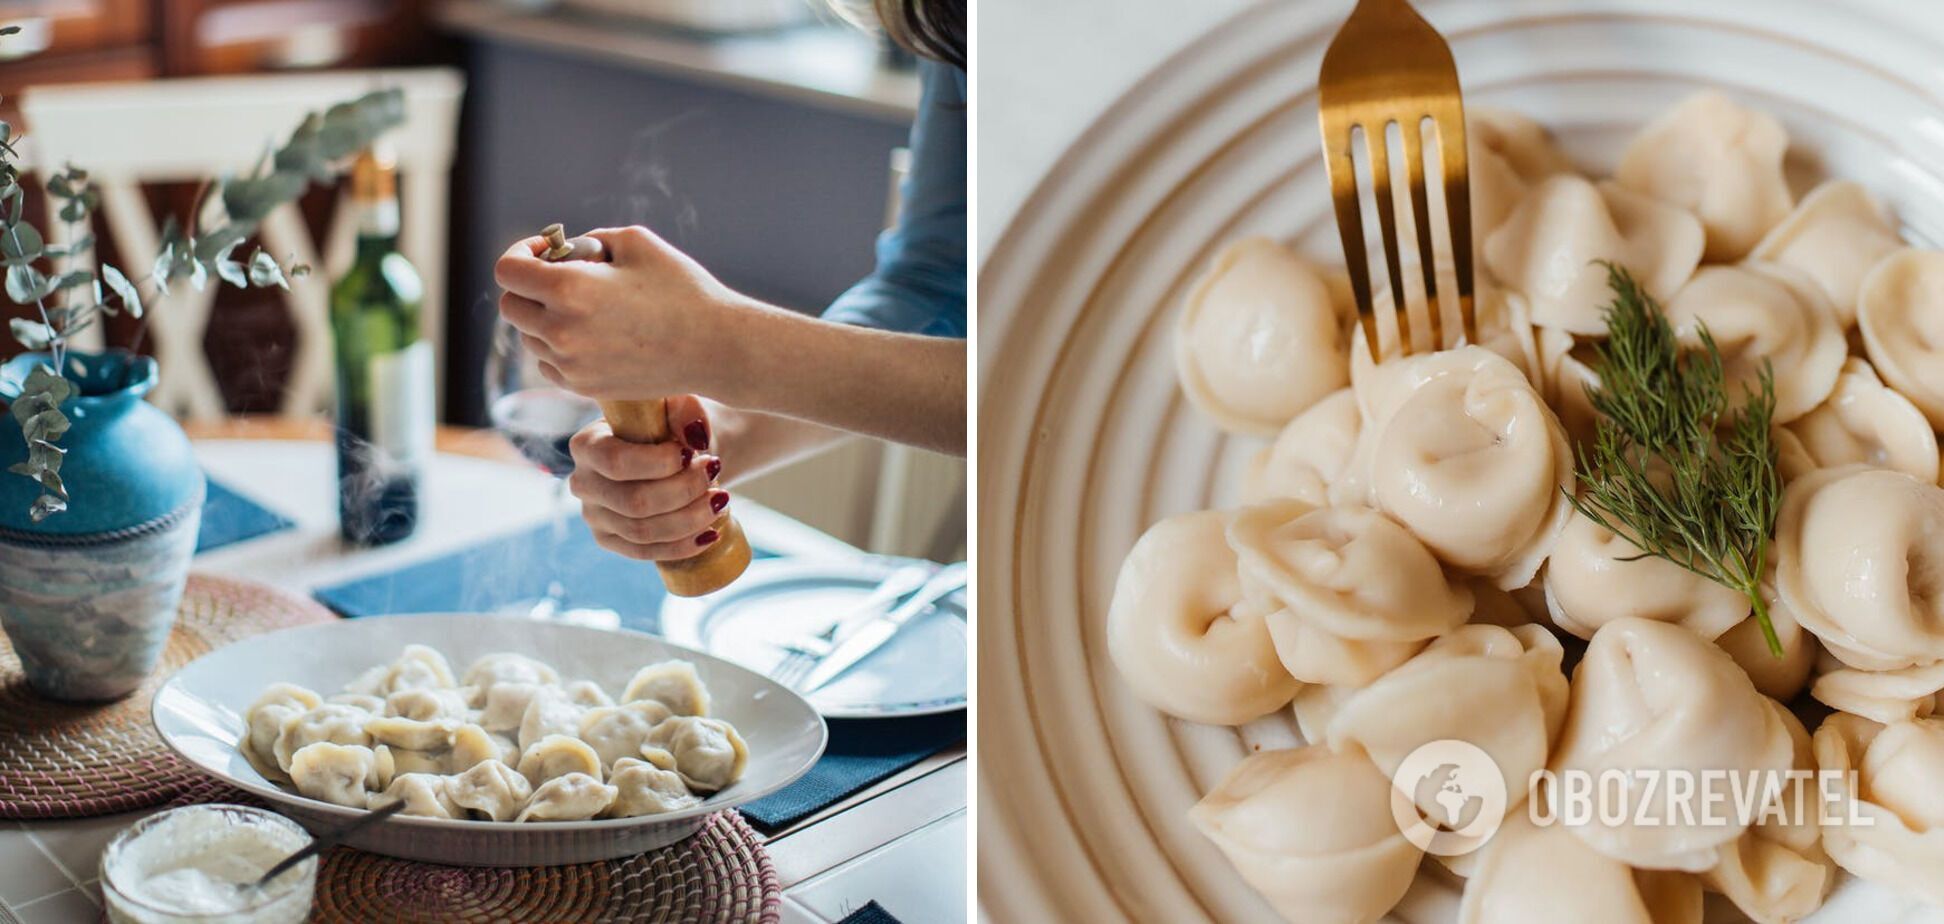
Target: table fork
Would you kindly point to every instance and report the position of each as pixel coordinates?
(1388, 66)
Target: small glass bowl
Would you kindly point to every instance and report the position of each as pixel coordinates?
(157, 844)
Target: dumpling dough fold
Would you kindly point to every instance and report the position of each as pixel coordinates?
(1260, 339)
(1312, 831)
(1864, 422)
(1900, 840)
(1459, 448)
(1836, 235)
(1758, 312)
(1353, 594)
(1900, 309)
(1654, 696)
(1179, 634)
(1860, 562)
(1595, 576)
(1528, 873)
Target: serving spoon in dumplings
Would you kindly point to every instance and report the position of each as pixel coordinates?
(1388, 67)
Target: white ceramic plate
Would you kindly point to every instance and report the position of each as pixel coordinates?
(1085, 438)
(920, 671)
(199, 712)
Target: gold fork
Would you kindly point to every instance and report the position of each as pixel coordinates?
(1387, 65)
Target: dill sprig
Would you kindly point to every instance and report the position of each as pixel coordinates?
(1673, 466)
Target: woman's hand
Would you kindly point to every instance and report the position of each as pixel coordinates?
(650, 321)
(651, 501)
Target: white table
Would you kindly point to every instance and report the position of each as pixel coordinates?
(901, 843)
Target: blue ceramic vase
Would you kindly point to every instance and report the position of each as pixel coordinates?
(88, 595)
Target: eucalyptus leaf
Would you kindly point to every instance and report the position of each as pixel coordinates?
(25, 284)
(20, 243)
(264, 271)
(130, 296)
(73, 279)
(232, 272)
(32, 334)
(250, 200)
(198, 275)
(43, 381)
(164, 265)
(59, 187)
(75, 210)
(46, 506)
(24, 468)
(45, 455)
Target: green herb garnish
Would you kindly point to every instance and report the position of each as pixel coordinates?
(1672, 466)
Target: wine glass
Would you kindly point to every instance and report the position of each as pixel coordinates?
(539, 418)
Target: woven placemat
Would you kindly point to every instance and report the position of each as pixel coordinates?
(68, 760)
(722, 874)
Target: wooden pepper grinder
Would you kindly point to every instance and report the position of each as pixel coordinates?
(646, 421)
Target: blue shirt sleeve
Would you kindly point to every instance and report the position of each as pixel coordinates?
(919, 285)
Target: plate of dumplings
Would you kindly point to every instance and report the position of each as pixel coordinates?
(511, 742)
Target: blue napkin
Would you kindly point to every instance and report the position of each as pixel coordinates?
(861, 752)
(871, 913)
(510, 572)
(229, 517)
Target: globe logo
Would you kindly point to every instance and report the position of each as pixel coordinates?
(1448, 797)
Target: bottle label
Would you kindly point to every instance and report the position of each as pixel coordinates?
(401, 404)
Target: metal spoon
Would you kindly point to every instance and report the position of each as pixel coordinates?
(330, 839)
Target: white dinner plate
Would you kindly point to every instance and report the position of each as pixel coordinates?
(920, 671)
(1085, 438)
(199, 713)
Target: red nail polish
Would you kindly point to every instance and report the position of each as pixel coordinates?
(718, 500)
(706, 537)
(688, 455)
(697, 435)
(715, 468)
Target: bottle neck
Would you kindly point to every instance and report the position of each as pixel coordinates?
(377, 225)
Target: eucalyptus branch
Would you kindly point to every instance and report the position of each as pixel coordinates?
(313, 153)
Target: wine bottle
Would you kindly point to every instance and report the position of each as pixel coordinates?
(384, 370)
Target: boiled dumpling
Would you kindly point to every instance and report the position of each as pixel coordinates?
(341, 774)
(1767, 313)
(1865, 423)
(1312, 831)
(1259, 339)
(372, 704)
(1897, 835)
(1507, 153)
(1499, 314)
(1342, 581)
(587, 693)
(549, 712)
(427, 704)
(1882, 696)
(503, 705)
(1719, 160)
(411, 734)
(709, 753)
(615, 732)
(1309, 453)
(338, 724)
(1549, 247)
(1778, 872)
(424, 794)
(1528, 873)
(1649, 695)
(264, 720)
(490, 788)
(1900, 309)
(571, 797)
(507, 667)
(1778, 678)
(1179, 634)
(412, 760)
(1837, 235)
(1459, 448)
(556, 755)
(472, 745)
(645, 789)
(1595, 576)
(1500, 690)
(1859, 552)
(1567, 366)
(1316, 705)
(417, 666)
(673, 684)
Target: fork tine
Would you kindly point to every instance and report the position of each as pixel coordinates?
(1378, 145)
(1421, 216)
(1457, 196)
(1338, 139)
